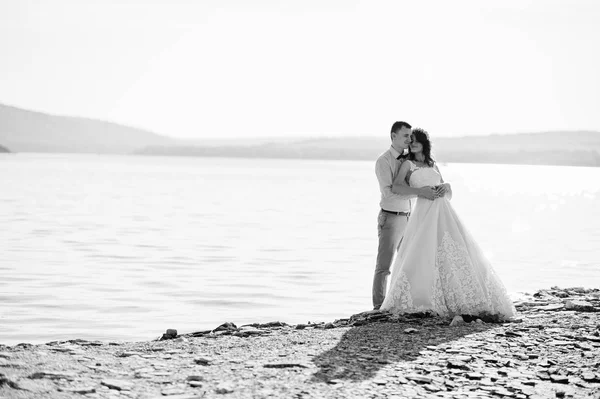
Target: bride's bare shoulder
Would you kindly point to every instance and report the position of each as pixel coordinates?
(407, 165)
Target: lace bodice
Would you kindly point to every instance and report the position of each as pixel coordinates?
(426, 176)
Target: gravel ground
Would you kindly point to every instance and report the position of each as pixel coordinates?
(552, 350)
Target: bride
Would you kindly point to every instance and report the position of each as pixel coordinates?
(440, 268)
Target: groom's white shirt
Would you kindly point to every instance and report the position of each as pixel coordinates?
(386, 169)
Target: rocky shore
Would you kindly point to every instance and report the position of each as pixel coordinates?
(551, 350)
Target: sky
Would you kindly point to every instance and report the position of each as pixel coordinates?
(261, 68)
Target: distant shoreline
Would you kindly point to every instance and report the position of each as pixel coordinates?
(467, 158)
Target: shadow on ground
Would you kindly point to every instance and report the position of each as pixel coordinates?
(363, 351)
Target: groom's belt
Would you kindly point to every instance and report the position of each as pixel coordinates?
(397, 213)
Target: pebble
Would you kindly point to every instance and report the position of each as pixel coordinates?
(561, 379)
(203, 360)
(579, 305)
(119, 385)
(591, 377)
(172, 391)
(79, 390)
(224, 389)
(53, 375)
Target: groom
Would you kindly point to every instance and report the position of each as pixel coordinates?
(395, 208)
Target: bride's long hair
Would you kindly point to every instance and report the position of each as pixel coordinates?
(421, 136)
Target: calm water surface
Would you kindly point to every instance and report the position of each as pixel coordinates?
(123, 247)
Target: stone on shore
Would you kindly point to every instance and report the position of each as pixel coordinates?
(581, 306)
(457, 321)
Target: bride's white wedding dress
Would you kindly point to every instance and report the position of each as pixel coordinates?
(439, 267)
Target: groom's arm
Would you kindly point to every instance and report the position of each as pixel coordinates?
(404, 190)
(384, 172)
(401, 187)
(385, 177)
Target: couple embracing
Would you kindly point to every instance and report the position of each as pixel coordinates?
(436, 265)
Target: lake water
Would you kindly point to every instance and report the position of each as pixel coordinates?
(124, 247)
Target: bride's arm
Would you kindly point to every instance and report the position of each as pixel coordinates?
(444, 189)
(401, 187)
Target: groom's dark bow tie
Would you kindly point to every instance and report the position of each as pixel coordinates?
(401, 156)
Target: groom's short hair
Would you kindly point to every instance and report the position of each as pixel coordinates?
(399, 125)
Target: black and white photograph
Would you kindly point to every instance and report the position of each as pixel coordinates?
(299, 199)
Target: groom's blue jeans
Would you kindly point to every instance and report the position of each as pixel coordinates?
(390, 229)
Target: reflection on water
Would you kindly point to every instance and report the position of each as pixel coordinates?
(123, 247)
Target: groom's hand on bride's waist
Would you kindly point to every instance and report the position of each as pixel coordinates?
(427, 192)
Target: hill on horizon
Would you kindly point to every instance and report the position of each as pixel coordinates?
(31, 131)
